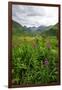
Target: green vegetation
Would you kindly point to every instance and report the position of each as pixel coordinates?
(34, 57)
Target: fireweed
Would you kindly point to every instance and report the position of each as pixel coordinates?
(35, 62)
(46, 61)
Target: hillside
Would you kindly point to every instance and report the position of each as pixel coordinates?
(18, 29)
(52, 31)
(32, 31)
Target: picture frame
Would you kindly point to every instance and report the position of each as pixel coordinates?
(28, 82)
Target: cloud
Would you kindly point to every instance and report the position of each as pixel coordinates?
(34, 15)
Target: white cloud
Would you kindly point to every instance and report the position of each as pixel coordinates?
(35, 15)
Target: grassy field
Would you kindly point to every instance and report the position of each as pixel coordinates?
(34, 59)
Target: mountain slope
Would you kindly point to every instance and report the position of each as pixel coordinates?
(18, 29)
(32, 31)
(52, 31)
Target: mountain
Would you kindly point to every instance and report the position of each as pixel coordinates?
(39, 28)
(32, 28)
(32, 31)
(19, 29)
(52, 31)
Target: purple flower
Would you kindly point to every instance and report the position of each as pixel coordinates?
(46, 61)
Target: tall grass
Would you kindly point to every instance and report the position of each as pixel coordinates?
(34, 60)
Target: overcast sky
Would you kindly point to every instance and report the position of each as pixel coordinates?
(34, 15)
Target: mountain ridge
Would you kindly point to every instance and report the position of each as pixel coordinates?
(17, 28)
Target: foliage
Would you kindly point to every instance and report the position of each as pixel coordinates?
(34, 59)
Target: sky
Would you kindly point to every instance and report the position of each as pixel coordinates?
(34, 16)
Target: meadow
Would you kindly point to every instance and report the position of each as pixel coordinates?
(34, 59)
